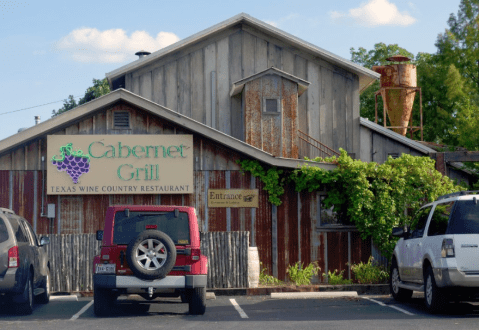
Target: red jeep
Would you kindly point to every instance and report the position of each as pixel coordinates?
(153, 251)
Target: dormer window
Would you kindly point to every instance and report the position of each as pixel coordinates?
(271, 105)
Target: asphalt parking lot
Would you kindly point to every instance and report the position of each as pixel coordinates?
(241, 312)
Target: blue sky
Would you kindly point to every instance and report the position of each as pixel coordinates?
(51, 49)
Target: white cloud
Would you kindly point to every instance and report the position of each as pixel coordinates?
(282, 20)
(374, 13)
(111, 46)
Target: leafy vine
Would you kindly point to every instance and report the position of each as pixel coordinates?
(375, 198)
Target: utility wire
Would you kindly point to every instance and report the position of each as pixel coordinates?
(36, 106)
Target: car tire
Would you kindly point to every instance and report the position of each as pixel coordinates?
(434, 298)
(184, 298)
(26, 307)
(398, 293)
(197, 300)
(151, 255)
(44, 297)
(103, 301)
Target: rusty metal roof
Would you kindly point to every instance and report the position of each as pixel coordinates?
(87, 109)
(239, 85)
(366, 76)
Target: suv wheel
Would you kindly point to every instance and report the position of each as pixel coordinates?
(398, 293)
(151, 255)
(103, 301)
(26, 307)
(434, 298)
(197, 300)
(44, 298)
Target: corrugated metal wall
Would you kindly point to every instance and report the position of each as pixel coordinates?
(282, 237)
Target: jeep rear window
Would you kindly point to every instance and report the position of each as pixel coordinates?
(128, 228)
(3, 231)
(465, 219)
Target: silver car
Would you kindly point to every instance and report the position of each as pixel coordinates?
(439, 253)
(24, 264)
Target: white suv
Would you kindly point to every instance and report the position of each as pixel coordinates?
(439, 252)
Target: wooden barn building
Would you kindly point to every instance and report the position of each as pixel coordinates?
(175, 124)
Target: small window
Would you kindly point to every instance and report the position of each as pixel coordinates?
(20, 234)
(3, 231)
(440, 219)
(394, 155)
(271, 106)
(121, 119)
(419, 222)
(329, 217)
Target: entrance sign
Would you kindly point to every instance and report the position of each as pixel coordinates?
(233, 197)
(119, 164)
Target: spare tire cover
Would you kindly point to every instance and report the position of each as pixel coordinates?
(151, 255)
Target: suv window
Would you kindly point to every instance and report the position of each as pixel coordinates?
(440, 219)
(127, 228)
(19, 231)
(465, 219)
(418, 224)
(3, 231)
(31, 233)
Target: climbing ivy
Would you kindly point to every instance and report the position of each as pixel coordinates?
(272, 178)
(375, 198)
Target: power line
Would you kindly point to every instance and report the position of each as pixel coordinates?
(36, 106)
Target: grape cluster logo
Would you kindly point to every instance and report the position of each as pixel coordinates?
(75, 163)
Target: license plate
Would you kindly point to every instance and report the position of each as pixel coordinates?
(105, 269)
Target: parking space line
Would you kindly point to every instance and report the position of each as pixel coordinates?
(239, 309)
(83, 310)
(394, 307)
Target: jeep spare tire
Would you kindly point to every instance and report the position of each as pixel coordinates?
(151, 255)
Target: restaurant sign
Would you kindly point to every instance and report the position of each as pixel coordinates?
(232, 198)
(119, 164)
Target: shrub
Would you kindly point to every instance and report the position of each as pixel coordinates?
(265, 279)
(370, 272)
(338, 278)
(300, 275)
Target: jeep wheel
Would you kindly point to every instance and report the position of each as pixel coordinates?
(434, 297)
(103, 300)
(197, 300)
(151, 255)
(398, 293)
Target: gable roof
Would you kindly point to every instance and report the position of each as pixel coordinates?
(395, 136)
(67, 118)
(366, 76)
(239, 85)
(417, 145)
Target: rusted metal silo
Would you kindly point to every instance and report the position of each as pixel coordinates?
(398, 89)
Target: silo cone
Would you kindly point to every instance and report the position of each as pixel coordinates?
(398, 102)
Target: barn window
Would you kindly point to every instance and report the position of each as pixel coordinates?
(394, 155)
(271, 106)
(121, 119)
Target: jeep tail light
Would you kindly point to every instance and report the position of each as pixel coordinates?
(447, 250)
(195, 254)
(13, 257)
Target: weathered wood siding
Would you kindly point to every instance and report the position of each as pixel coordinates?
(196, 81)
(291, 231)
(275, 133)
(71, 260)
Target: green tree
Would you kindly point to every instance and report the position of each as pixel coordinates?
(99, 88)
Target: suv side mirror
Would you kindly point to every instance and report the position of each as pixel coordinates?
(99, 235)
(44, 240)
(399, 232)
